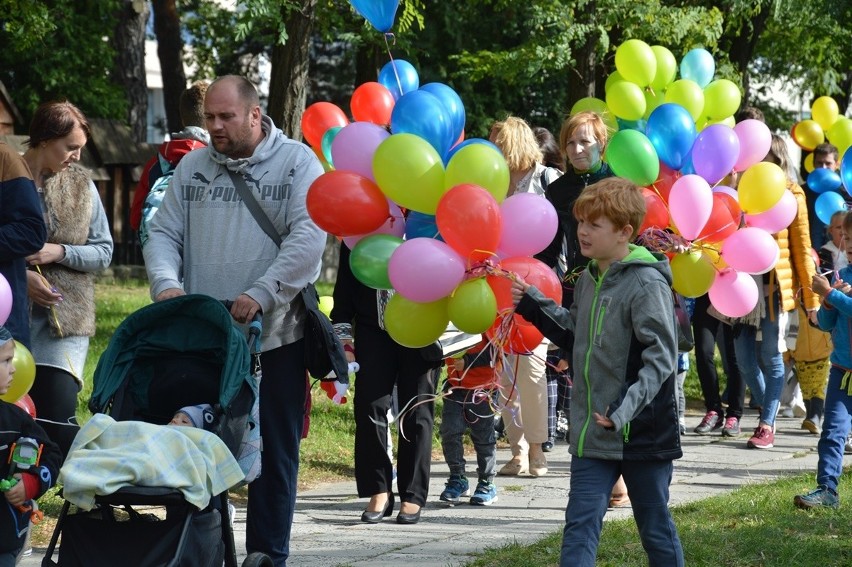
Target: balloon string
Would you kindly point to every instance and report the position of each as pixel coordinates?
(52, 308)
(390, 55)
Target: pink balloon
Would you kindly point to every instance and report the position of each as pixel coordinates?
(733, 293)
(353, 147)
(394, 225)
(779, 217)
(755, 139)
(529, 225)
(690, 205)
(750, 250)
(5, 299)
(425, 269)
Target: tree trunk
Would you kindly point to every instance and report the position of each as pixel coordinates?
(170, 52)
(129, 70)
(741, 49)
(582, 83)
(288, 82)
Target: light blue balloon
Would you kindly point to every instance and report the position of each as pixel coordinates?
(406, 77)
(822, 180)
(638, 125)
(698, 65)
(672, 132)
(827, 204)
(422, 114)
(452, 102)
(380, 13)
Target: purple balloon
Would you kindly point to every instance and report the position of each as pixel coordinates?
(715, 152)
(353, 147)
(425, 269)
(529, 225)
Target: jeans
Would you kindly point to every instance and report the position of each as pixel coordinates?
(835, 428)
(272, 497)
(469, 409)
(648, 485)
(761, 363)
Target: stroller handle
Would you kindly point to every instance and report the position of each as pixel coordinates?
(255, 326)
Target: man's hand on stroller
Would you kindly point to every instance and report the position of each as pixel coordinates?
(170, 293)
(244, 308)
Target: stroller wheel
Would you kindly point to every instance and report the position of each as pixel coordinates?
(257, 560)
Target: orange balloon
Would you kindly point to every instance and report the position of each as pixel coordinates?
(318, 118)
(656, 212)
(372, 102)
(534, 273)
(721, 224)
(469, 220)
(663, 185)
(518, 336)
(344, 203)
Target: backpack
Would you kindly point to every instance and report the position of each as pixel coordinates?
(155, 197)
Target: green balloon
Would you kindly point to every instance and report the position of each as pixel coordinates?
(370, 257)
(631, 155)
(599, 107)
(688, 94)
(327, 139)
(625, 100)
(666, 67)
(481, 165)
(472, 306)
(410, 172)
(415, 325)
(721, 99)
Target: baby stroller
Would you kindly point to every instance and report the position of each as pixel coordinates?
(165, 356)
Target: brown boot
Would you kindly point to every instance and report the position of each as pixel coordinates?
(538, 462)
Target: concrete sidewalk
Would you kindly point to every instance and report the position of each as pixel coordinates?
(327, 530)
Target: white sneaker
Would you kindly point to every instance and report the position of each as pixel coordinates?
(848, 448)
(786, 412)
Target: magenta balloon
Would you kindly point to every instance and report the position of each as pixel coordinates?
(394, 225)
(755, 138)
(750, 250)
(733, 293)
(529, 225)
(5, 299)
(779, 217)
(425, 269)
(353, 147)
(714, 152)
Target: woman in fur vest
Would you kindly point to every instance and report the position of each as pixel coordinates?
(61, 282)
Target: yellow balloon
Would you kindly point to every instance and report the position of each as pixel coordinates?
(721, 98)
(472, 306)
(599, 107)
(825, 111)
(326, 304)
(613, 78)
(24, 376)
(692, 274)
(809, 163)
(666, 68)
(480, 165)
(714, 256)
(636, 62)
(808, 134)
(415, 325)
(410, 172)
(840, 134)
(653, 99)
(761, 187)
(626, 101)
(688, 94)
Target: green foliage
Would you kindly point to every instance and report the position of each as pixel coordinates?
(24, 23)
(73, 61)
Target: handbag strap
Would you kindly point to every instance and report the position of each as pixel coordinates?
(254, 207)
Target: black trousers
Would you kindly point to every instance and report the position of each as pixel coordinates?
(54, 394)
(708, 331)
(385, 363)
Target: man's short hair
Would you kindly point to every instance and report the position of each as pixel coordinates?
(749, 113)
(617, 199)
(826, 149)
(245, 89)
(192, 104)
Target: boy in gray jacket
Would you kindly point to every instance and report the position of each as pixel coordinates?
(623, 408)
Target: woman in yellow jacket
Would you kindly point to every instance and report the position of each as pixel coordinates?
(810, 360)
(759, 341)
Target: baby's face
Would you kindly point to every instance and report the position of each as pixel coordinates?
(181, 419)
(7, 366)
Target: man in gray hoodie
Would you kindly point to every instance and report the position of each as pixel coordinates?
(205, 240)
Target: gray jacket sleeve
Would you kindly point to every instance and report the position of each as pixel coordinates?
(96, 253)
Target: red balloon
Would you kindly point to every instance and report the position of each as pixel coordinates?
(318, 118)
(26, 403)
(469, 220)
(534, 273)
(732, 205)
(656, 211)
(663, 185)
(518, 336)
(344, 203)
(720, 225)
(372, 102)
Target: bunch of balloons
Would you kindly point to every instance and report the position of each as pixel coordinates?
(23, 360)
(676, 137)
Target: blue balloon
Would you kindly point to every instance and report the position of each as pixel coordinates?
(846, 170)
(671, 130)
(380, 13)
(422, 114)
(827, 204)
(421, 225)
(688, 168)
(405, 78)
(452, 102)
(822, 180)
(698, 66)
(468, 142)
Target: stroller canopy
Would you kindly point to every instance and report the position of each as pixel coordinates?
(190, 324)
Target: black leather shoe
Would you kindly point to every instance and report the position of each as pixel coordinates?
(547, 446)
(409, 518)
(376, 517)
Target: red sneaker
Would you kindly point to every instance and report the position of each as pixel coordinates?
(763, 438)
